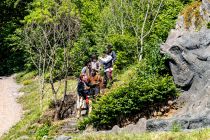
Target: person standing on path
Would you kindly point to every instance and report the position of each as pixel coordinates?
(86, 70)
(106, 60)
(112, 53)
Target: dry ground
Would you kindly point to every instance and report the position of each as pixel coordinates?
(10, 110)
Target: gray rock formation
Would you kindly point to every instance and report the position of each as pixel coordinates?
(205, 10)
(190, 65)
(25, 137)
(189, 51)
(70, 126)
(63, 137)
(190, 57)
(139, 127)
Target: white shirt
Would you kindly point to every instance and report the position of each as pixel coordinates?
(95, 65)
(106, 59)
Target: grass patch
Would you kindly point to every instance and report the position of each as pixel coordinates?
(195, 135)
(191, 12)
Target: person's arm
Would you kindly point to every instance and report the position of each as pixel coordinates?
(90, 85)
(114, 56)
(106, 59)
(83, 70)
(98, 67)
(80, 87)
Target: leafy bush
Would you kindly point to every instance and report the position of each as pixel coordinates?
(27, 82)
(124, 45)
(83, 123)
(208, 25)
(24, 76)
(43, 131)
(176, 127)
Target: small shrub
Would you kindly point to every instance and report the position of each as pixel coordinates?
(43, 131)
(124, 45)
(208, 25)
(83, 123)
(176, 127)
(27, 82)
(24, 76)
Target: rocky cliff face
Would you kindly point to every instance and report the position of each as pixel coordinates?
(189, 48)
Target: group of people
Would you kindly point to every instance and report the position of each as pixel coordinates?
(95, 75)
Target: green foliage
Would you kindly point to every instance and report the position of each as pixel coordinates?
(48, 35)
(43, 131)
(208, 25)
(83, 123)
(25, 76)
(124, 46)
(100, 25)
(187, 1)
(202, 134)
(176, 127)
(12, 56)
(115, 25)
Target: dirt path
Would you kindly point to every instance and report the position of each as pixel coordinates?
(10, 110)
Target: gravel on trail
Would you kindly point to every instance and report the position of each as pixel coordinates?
(10, 110)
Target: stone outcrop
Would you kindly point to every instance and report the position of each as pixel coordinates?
(190, 66)
(140, 126)
(189, 50)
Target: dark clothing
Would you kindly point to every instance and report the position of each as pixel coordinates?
(86, 71)
(114, 56)
(108, 65)
(106, 61)
(82, 91)
(98, 82)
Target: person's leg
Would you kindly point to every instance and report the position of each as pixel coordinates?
(111, 77)
(97, 90)
(105, 79)
(79, 105)
(109, 80)
(89, 106)
(107, 75)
